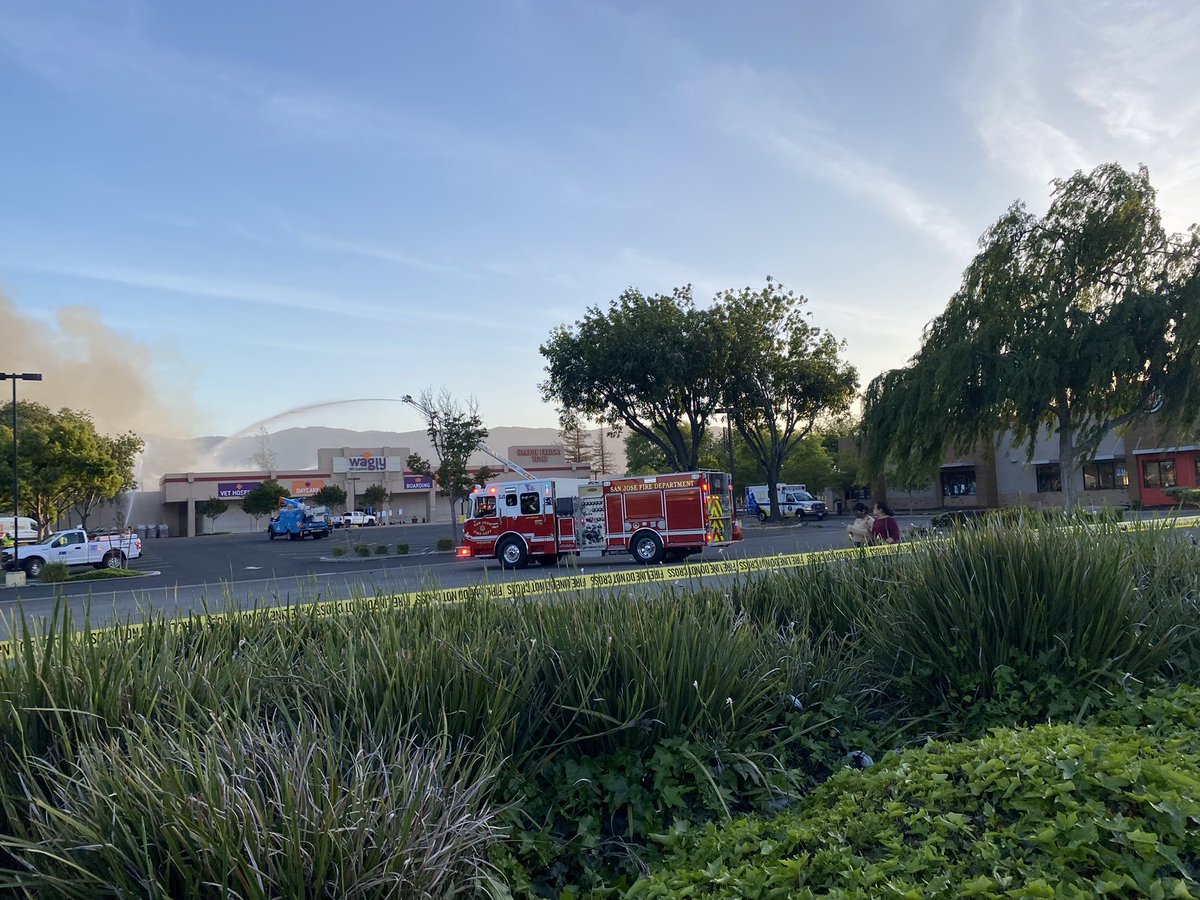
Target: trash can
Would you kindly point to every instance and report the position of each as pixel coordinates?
(143, 531)
(164, 531)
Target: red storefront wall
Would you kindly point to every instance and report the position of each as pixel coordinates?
(1187, 474)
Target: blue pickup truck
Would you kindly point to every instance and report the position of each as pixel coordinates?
(296, 521)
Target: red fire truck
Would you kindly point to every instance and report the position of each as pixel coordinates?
(653, 518)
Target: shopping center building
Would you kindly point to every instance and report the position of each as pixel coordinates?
(1135, 468)
(410, 497)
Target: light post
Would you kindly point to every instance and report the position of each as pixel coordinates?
(727, 411)
(14, 377)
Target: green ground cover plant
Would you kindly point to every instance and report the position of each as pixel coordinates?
(570, 733)
(1054, 811)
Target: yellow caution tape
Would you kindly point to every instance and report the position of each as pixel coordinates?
(516, 590)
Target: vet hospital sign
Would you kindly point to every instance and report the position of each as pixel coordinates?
(355, 465)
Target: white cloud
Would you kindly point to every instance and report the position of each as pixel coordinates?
(1061, 87)
(761, 111)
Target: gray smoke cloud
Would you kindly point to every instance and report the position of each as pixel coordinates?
(86, 365)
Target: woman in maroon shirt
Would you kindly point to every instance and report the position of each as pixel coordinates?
(886, 529)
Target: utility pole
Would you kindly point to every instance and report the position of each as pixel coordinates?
(729, 447)
(14, 377)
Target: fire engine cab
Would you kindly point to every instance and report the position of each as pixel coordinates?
(653, 518)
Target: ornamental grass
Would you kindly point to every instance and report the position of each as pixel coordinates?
(394, 751)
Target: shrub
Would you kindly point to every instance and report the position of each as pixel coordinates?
(1033, 614)
(381, 550)
(362, 550)
(402, 549)
(1061, 811)
(54, 572)
(444, 544)
(338, 551)
(269, 812)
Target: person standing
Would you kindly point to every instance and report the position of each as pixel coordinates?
(859, 531)
(885, 530)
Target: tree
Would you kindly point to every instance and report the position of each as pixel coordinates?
(644, 458)
(455, 430)
(63, 462)
(577, 444)
(212, 509)
(375, 496)
(1078, 322)
(107, 473)
(788, 377)
(263, 500)
(263, 458)
(655, 365)
(603, 464)
(331, 495)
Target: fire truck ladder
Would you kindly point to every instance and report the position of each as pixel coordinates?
(507, 463)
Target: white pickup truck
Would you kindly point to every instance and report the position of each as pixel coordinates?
(75, 547)
(358, 517)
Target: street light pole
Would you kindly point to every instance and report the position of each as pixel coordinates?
(14, 377)
(729, 447)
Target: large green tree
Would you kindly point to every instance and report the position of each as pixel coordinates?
(654, 364)
(456, 431)
(788, 375)
(1077, 322)
(108, 473)
(63, 462)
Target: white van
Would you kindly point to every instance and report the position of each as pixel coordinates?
(26, 531)
(793, 499)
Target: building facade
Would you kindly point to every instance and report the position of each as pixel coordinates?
(411, 498)
(1135, 468)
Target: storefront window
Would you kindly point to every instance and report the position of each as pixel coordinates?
(1049, 478)
(1159, 473)
(1105, 475)
(958, 482)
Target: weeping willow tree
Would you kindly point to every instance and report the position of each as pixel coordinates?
(1078, 322)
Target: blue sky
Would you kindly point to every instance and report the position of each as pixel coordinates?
(259, 206)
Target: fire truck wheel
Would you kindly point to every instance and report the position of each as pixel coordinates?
(647, 548)
(512, 553)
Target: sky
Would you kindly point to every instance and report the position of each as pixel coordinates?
(212, 214)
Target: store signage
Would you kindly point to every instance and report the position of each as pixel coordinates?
(537, 454)
(307, 488)
(367, 462)
(418, 483)
(236, 490)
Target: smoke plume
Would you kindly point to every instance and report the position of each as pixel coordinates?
(126, 385)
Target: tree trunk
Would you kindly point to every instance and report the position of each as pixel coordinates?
(1067, 465)
(773, 469)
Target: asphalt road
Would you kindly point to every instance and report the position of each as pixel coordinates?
(219, 572)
